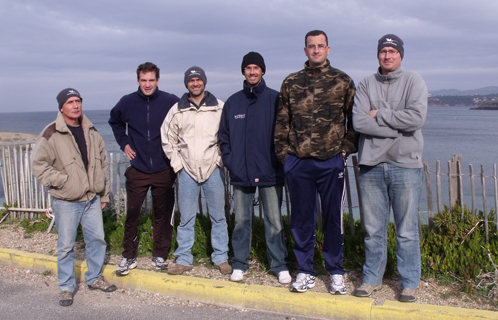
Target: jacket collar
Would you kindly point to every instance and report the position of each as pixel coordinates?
(313, 70)
(257, 90)
(208, 101)
(61, 125)
(151, 97)
(390, 77)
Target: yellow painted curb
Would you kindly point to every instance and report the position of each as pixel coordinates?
(408, 311)
(307, 304)
(273, 299)
(212, 291)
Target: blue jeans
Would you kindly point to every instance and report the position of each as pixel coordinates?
(188, 193)
(381, 185)
(68, 215)
(271, 198)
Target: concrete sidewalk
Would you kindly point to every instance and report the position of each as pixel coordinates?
(240, 295)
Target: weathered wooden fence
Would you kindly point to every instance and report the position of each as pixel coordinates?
(25, 197)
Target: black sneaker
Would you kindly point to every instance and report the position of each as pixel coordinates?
(125, 265)
(159, 263)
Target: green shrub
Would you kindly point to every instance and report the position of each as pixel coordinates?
(41, 224)
(458, 246)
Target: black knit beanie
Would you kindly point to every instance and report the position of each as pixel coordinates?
(193, 72)
(66, 94)
(393, 41)
(253, 58)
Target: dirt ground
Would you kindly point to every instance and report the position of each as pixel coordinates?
(431, 291)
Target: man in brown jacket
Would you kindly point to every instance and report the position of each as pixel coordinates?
(71, 161)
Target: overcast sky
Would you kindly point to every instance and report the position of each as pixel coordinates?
(96, 46)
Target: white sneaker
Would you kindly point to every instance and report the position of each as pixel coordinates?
(303, 282)
(237, 275)
(337, 284)
(284, 277)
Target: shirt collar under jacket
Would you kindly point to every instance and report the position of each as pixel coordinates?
(390, 77)
(151, 97)
(209, 100)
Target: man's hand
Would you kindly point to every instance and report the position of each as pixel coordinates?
(373, 113)
(103, 204)
(129, 152)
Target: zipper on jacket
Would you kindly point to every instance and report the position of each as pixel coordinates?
(312, 110)
(148, 131)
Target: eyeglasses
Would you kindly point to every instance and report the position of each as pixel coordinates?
(391, 52)
(319, 46)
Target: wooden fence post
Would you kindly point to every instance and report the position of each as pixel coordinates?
(485, 209)
(453, 179)
(472, 189)
(430, 207)
(460, 186)
(118, 186)
(495, 178)
(227, 195)
(287, 202)
(439, 194)
(356, 170)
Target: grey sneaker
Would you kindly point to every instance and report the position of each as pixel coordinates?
(365, 290)
(125, 265)
(408, 295)
(303, 282)
(66, 298)
(102, 284)
(337, 285)
(159, 263)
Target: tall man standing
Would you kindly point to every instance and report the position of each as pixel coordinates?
(389, 111)
(136, 121)
(313, 137)
(190, 140)
(246, 136)
(70, 159)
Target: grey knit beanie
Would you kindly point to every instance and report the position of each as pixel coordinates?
(393, 41)
(193, 72)
(66, 94)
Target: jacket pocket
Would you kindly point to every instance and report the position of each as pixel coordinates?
(98, 175)
(76, 185)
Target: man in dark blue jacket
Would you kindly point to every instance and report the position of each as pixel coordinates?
(246, 142)
(136, 121)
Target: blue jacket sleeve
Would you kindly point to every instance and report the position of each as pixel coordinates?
(224, 135)
(118, 126)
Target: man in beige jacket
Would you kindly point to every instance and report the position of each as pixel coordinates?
(189, 136)
(70, 159)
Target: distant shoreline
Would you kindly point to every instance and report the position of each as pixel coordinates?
(12, 137)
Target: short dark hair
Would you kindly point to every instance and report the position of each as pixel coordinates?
(315, 33)
(147, 67)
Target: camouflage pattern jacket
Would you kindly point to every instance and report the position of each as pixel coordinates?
(315, 114)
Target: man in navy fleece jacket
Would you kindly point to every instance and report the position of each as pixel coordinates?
(136, 121)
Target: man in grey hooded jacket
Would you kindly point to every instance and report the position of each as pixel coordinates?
(389, 111)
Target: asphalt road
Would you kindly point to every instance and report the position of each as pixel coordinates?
(29, 295)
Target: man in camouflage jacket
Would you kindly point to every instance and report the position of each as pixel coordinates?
(313, 137)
